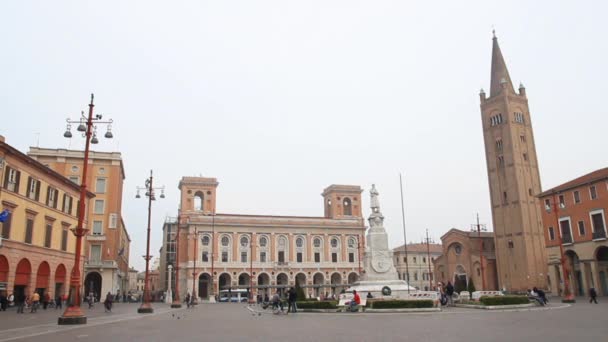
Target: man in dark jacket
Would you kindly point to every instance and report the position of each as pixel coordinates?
(20, 301)
(592, 295)
(449, 291)
(3, 301)
(292, 297)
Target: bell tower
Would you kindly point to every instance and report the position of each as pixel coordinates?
(342, 201)
(514, 181)
(198, 194)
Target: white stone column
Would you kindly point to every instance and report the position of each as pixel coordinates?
(169, 297)
(584, 281)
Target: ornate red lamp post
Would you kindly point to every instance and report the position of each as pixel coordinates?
(73, 314)
(146, 307)
(568, 297)
(176, 301)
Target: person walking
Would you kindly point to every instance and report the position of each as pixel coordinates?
(35, 302)
(592, 295)
(3, 301)
(449, 291)
(20, 302)
(292, 296)
(45, 301)
(187, 300)
(107, 304)
(58, 302)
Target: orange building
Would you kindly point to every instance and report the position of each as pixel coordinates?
(36, 245)
(107, 243)
(229, 251)
(582, 204)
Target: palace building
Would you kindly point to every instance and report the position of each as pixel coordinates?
(218, 251)
(40, 205)
(419, 262)
(106, 246)
(579, 221)
(514, 181)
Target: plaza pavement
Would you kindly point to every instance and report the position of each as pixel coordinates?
(232, 322)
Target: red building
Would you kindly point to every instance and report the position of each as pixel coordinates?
(580, 214)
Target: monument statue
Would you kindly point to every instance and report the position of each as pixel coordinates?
(379, 270)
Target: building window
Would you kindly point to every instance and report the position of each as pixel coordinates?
(478, 272)
(334, 243)
(64, 239)
(348, 210)
(29, 230)
(225, 241)
(11, 179)
(205, 240)
(351, 257)
(598, 224)
(499, 145)
(6, 225)
(424, 260)
(262, 256)
(100, 186)
(281, 256)
(334, 257)
(244, 241)
(67, 204)
(51, 197)
(529, 191)
(95, 254)
(97, 228)
(510, 243)
(551, 234)
(224, 256)
(351, 243)
(299, 242)
(33, 188)
(299, 257)
(522, 138)
(581, 228)
(577, 197)
(593, 192)
(505, 199)
(263, 241)
(519, 117)
(317, 242)
(199, 201)
(415, 276)
(501, 161)
(565, 230)
(317, 257)
(525, 155)
(243, 256)
(562, 201)
(548, 205)
(415, 258)
(74, 179)
(98, 207)
(48, 235)
(457, 250)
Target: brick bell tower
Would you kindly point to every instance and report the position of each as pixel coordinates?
(514, 181)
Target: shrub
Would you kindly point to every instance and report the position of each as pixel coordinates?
(471, 288)
(402, 304)
(504, 300)
(300, 295)
(317, 305)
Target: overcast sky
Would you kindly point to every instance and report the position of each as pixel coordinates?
(279, 99)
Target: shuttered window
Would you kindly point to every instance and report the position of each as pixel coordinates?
(48, 235)
(29, 230)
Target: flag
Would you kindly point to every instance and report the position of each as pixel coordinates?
(4, 215)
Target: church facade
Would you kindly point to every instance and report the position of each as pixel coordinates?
(219, 251)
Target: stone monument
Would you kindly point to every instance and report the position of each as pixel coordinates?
(169, 296)
(380, 277)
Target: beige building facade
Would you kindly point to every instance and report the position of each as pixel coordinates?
(418, 262)
(229, 251)
(36, 244)
(514, 181)
(107, 243)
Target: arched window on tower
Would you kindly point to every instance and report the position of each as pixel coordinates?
(348, 208)
(199, 200)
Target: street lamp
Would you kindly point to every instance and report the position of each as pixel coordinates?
(176, 301)
(568, 297)
(193, 299)
(73, 314)
(146, 307)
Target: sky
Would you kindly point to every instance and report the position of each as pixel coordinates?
(280, 99)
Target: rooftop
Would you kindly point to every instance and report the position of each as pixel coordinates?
(592, 177)
(420, 247)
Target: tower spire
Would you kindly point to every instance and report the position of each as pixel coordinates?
(500, 75)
